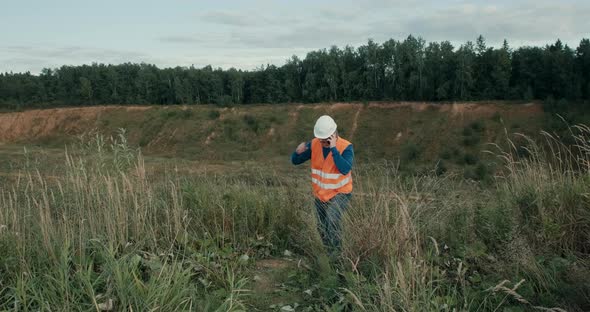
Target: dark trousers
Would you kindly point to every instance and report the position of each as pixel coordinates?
(329, 216)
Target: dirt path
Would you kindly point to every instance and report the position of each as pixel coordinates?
(294, 115)
(355, 122)
(273, 287)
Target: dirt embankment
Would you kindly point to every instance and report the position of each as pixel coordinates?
(35, 125)
(41, 123)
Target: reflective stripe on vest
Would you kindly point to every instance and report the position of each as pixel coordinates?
(331, 186)
(326, 175)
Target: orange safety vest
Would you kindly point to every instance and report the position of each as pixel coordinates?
(326, 180)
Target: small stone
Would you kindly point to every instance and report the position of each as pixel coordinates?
(308, 291)
(287, 308)
(106, 306)
(244, 258)
(287, 253)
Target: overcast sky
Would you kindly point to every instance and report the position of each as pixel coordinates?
(246, 34)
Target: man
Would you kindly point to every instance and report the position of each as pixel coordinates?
(331, 163)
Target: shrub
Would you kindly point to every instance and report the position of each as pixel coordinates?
(471, 140)
(467, 131)
(481, 172)
(171, 113)
(410, 151)
(168, 113)
(440, 168)
(252, 123)
(224, 101)
(186, 113)
(445, 154)
(477, 126)
(470, 159)
(497, 117)
(469, 174)
(213, 114)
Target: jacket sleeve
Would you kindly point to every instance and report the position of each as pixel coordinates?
(297, 159)
(343, 161)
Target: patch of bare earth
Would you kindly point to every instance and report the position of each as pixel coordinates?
(39, 123)
(264, 275)
(340, 106)
(415, 106)
(481, 109)
(294, 116)
(268, 279)
(271, 132)
(355, 122)
(210, 138)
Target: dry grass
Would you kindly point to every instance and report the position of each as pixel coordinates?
(107, 232)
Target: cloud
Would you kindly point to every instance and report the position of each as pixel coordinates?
(75, 52)
(322, 36)
(201, 39)
(311, 28)
(240, 19)
(524, 23)
(34, 58)
(267, 31)
(230, 18)
(340, 14)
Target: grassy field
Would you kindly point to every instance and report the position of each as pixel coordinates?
(200, 209)
(419, 135)
(98, 226)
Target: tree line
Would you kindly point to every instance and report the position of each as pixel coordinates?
(409, 70)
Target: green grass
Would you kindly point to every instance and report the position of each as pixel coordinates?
(210, 133)
(100, 224)
(106, 227)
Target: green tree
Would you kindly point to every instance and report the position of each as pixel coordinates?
(86, 89)
(583, 66)
(501, 70)
(464, 72)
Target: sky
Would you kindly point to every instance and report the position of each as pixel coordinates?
(37, 34)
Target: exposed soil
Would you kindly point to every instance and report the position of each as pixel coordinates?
(37, 124)
(269, 278)
(355, 122)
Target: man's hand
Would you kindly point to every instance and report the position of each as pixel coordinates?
(333, 138)
(301, 148)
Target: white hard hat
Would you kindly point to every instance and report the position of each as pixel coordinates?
(324, 127)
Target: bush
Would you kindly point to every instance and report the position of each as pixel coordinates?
(470, 159)
(252, 123)
(445, 154)
(481, 172)
(186, 113)
(471, 140)
(410, 151)
(497, 117)
(469, 173)
(477, 126)
(213, 114)
(171, 113)
(225, 101)
(471, 133)
(440, 168)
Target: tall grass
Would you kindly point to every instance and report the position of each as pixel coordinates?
(103, 230)
(107, 233)
(432, 243)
